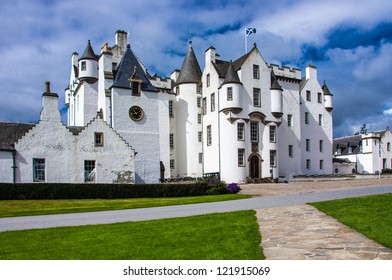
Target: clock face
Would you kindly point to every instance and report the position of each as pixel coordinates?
(136, 113)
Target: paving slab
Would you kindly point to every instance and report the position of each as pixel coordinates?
(302, 232)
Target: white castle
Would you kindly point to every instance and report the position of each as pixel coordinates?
(243, 118)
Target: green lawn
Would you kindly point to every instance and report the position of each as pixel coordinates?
(12, 208)
(371, 216)
(227, 236)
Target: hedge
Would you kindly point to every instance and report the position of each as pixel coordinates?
(103, 191)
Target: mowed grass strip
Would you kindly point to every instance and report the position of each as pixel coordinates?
(13, 208)
(227, 236)
(371, 215)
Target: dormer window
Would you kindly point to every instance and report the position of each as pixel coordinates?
(135, 83)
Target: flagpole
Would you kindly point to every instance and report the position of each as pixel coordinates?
(246, 42)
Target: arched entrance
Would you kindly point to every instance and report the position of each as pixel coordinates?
(254, 166)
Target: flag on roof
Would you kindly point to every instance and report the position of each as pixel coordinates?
(249, 31)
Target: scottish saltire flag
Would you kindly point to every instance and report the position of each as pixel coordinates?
(249, 31)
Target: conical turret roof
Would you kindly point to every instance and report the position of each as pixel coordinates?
(190, 70)
(326, 89)
(231, 76)
(89, 53)
(274, 82)
(130, 67)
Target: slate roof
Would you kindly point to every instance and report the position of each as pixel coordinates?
(222, 66)
(126, 70)
(231, 76)
(11, 132)
(274, 82)
(344, 142)
(190, 70)
(326, 89)
(89, 53)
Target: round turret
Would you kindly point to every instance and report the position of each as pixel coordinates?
(327, 98)
(276, 98)
(88, 65)
(231, 91)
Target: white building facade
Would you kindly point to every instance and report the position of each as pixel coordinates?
(242, 119)
(367, 153)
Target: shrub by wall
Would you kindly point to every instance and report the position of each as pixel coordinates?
(104, 191)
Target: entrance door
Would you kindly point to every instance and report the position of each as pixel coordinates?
(254, 167)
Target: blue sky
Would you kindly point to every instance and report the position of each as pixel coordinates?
(350, 42)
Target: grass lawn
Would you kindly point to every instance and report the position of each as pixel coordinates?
(227, 236)
(371, 215)
(12, 208)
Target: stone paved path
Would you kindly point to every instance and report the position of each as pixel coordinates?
(302, 232)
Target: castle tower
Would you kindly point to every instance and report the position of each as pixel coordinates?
(88, 65)
(327, 97)
(232, 87)
(276, 97)
(189, 120)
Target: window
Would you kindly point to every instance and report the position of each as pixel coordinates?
(321, 164)
(241, 156)
(240, 131)
(320, 120)
(83, 65)
(229, 94)
(256, 97)
(135, 87)
(291, 151)
(199, 118)
(171, 109)
(198, 102)
(256, 72)
(306, 117)
(389, 146)
(319, 97)
(89, 171)
(172, 164)
(208, 80)
(114, 66)
(98, 139)
(38, 169)
(209, 136)
(199, 136)
(349, 149)
(254, 132)
(204, 108)
(289, 120)
(308, 145)
(177, 90)
(199, 89)
(321, 146)
(308, 166)
(273, 158)
(213, 102)
(200, 157)
(272, 134)
(171, 140)
(308, 96)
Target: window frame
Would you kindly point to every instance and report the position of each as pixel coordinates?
(254, 131)
(229, 93)
(241, 157)
(98, 142)
(209, 135)
(39, 169)
(240, 131)
(256, 97)
(256, 71)
(89, 168)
